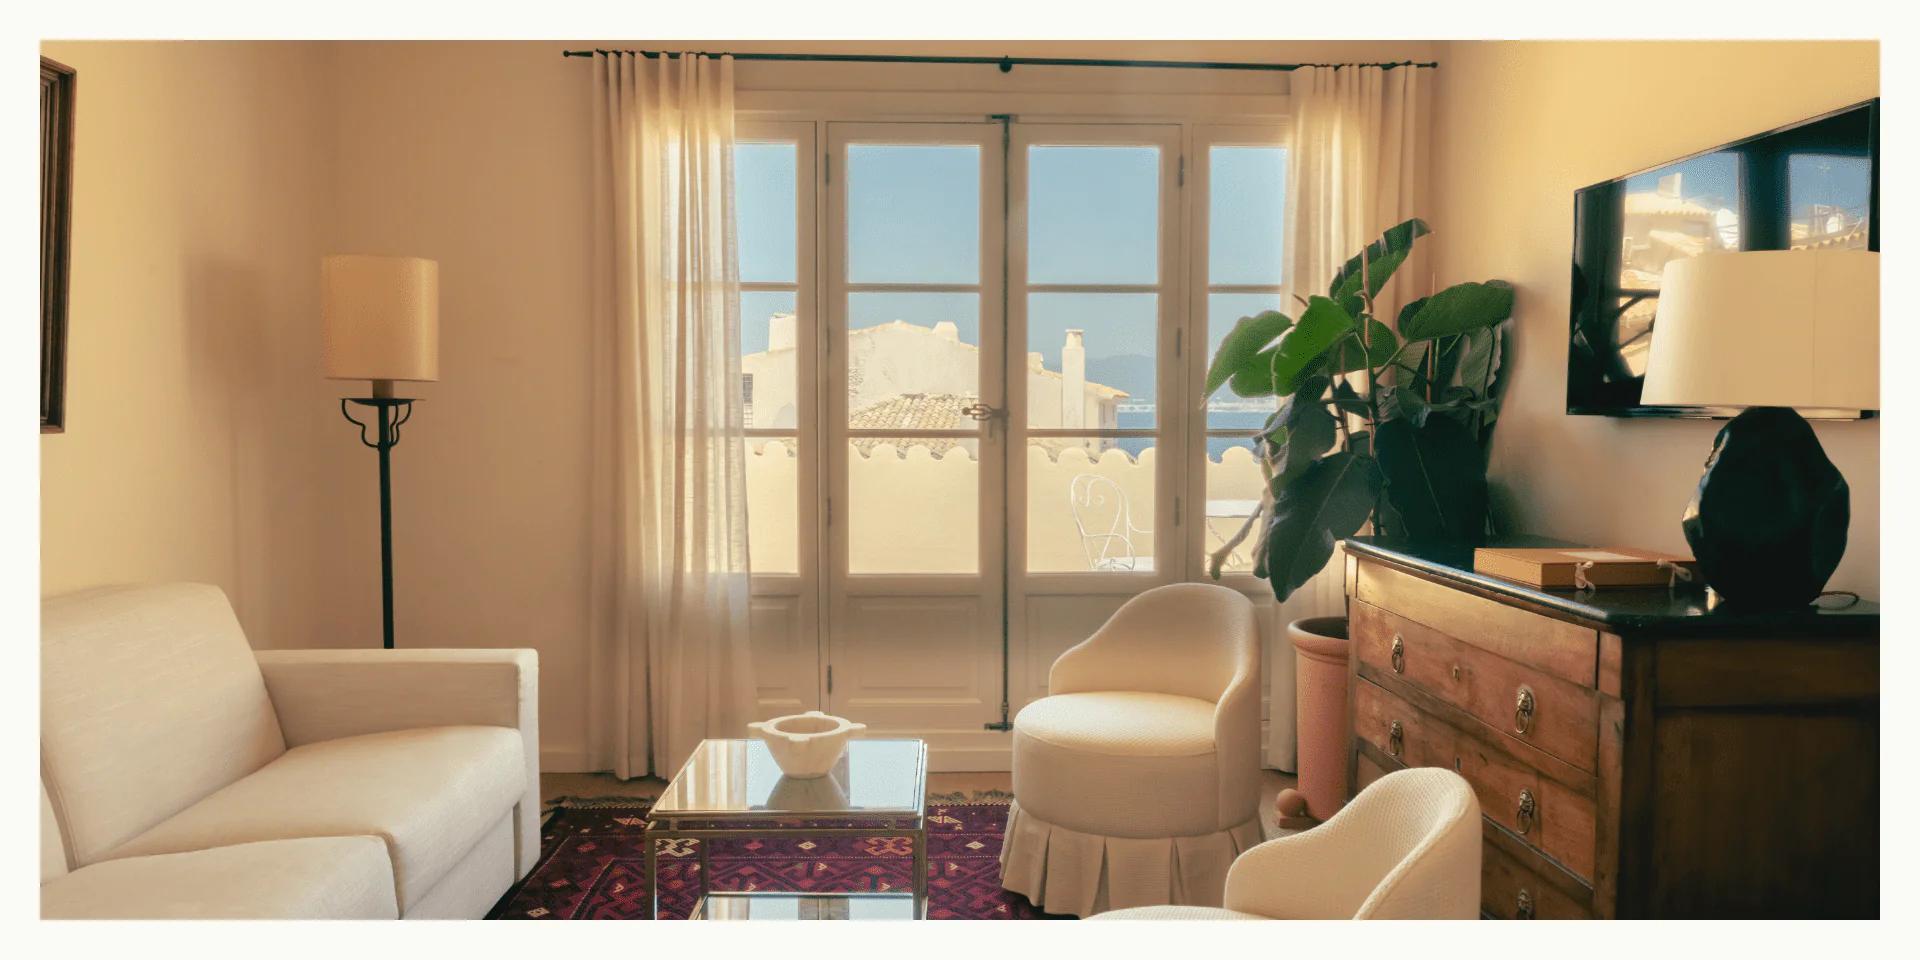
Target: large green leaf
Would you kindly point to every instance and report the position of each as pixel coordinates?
(1327, 503)
(1247, 338)
(1436, 479)
(1299, 352)
(1302, 431)
(1380, 345)
(1382, 258)
(1479, 360)
(1458, 309)
(1404, 403)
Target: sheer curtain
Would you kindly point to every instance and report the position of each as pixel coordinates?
(670, 663)
(1355, 166)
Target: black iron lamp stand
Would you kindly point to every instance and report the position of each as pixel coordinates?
(388, 414)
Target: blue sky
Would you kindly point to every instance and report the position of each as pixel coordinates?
(913, 216)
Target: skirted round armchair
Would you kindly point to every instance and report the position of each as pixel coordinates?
(1406, 848)
(1136, 780)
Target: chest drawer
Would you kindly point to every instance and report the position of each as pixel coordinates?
(1528, 703)
(1544, 811)
(1516, 885)
(1553, 647)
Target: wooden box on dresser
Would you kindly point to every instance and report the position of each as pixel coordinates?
(1635, 753)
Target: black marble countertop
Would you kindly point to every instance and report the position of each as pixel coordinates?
(1654, 609)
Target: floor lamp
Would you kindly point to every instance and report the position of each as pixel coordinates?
(381, 323)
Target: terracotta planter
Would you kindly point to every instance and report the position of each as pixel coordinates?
(1321, 679)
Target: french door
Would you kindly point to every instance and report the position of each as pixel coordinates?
(998, 307)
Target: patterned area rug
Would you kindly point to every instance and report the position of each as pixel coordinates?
(592, 866)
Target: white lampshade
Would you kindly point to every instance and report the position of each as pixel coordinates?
(381, 318)
(1774, 328)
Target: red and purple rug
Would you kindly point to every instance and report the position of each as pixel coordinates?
(592, 867)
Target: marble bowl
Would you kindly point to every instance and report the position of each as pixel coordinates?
(806, 745)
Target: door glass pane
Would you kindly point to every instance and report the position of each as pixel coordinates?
(913, 213)
(1225, 411)
(1232, 472)
(1093, 215)
(915, 505)
(769, 360)
(1089, 506)
(913, 360)
(766, 206)
(1091, 360)
(1248, 188)
(773, 529)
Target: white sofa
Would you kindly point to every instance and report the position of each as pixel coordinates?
(184, 775)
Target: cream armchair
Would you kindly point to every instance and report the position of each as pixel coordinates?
(1406, 848)
(184, 775)
(1136, 779)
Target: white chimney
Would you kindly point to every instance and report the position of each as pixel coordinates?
(1073, 381)
(781, 332)
(946, 330)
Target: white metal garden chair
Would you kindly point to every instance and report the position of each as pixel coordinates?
(1104, 518)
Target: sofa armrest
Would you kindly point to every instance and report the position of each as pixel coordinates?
(328, 694)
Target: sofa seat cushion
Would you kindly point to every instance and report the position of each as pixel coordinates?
(316, 878)
(1122, 723)
(430, 793)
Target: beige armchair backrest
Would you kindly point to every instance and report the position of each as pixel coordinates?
(1187, 639)
(150, 699)
(1406, 848)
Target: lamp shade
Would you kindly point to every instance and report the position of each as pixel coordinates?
(381, 317)
(1775, 328)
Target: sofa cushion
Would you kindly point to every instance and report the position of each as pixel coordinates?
(1119, 764)
(429, 792)
(317, 878)
(149, 701)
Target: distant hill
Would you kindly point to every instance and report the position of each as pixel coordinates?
(1131, 372)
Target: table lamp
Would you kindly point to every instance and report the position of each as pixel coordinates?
(381, 323)
(1786, 334)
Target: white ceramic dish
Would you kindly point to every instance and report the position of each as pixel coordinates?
(806, 745)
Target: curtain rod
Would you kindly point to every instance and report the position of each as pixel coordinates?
(1006, 64)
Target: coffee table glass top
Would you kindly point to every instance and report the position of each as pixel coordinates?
(760, 905)
(737, 779)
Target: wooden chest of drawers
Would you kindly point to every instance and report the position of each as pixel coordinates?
(1635, 754)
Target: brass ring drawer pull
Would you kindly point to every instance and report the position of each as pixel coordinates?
(1523, 711)
(1524, 812)
(1399, 654)
(1396, 738)
(1523, 905)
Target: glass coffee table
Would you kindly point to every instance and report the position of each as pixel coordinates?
(733, 789)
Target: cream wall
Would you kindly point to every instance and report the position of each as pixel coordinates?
(196, 207)
(1519, 127)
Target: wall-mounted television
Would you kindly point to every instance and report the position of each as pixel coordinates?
(1813, 184)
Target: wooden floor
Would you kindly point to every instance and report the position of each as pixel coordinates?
(555, 785)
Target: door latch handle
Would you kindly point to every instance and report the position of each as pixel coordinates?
(982, 412)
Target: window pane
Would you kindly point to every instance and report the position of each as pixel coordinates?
(1090, 360)
(769, 360)
(766, 203)
(1248, 186)
(1089, 506)
(913, 214)
(913, 360)
(1233, 492)
(773, 539)
(915, 506)
(1093, 215)
(1224, 410)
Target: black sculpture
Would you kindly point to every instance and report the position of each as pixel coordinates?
(1768, 523)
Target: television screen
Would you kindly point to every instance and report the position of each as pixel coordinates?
(1813, 184)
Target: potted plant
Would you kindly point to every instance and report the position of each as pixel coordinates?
(1376, 428)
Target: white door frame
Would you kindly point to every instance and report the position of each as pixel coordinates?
(961, 614)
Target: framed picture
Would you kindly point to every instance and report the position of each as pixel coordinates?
(56, 227)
